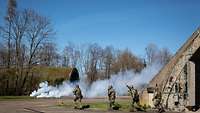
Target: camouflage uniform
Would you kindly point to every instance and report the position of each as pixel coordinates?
(78, 97)
(157, 99)
(111, 96)
(134, 95)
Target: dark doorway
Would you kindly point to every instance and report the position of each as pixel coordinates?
(74, 75)
(196, 59)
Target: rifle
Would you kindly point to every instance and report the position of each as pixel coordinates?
(131, 91)
(129, 87)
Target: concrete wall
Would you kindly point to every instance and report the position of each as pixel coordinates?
(191, 86)
(176, 69)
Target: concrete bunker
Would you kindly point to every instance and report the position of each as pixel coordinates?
(74, 75)
(179, 80)
(194, 89)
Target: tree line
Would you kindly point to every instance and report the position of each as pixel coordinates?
(27, 45)
(23, 34)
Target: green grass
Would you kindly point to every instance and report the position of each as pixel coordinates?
(15, 97)
(99, 106)
(103, 106)
(125, 105)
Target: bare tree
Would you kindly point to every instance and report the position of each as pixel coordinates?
(29, 31)
(108, 60)
(38, 31)
(6, 33)
(24, 33)
(164, 56)
(14, 31)
(151, 53)
(71, 55)
(6, 30)
(48, 54)
(95, 54)
(83, 62)
(127, 61)
(10, 14)
(12, 4)
(3, 55)
(156, 55)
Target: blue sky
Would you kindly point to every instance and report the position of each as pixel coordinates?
(123, 24)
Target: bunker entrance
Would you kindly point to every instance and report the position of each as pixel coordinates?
(195, 59)
(74, 75)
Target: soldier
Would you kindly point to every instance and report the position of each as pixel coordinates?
(111, 97)
(157, 99)
(131, 92)
(135, 97)
(78, 97)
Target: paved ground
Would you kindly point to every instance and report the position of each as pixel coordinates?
(44, 106)
(41, 106)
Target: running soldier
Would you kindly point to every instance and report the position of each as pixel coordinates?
(134, 97)
(78, 97)
(157, 100)
(111, 97)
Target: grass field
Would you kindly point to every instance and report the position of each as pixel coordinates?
(99, 105)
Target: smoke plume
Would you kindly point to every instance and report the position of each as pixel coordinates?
(99, 88)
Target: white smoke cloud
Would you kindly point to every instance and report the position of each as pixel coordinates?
(99, 88)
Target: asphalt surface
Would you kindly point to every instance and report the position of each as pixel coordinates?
(45, 106)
